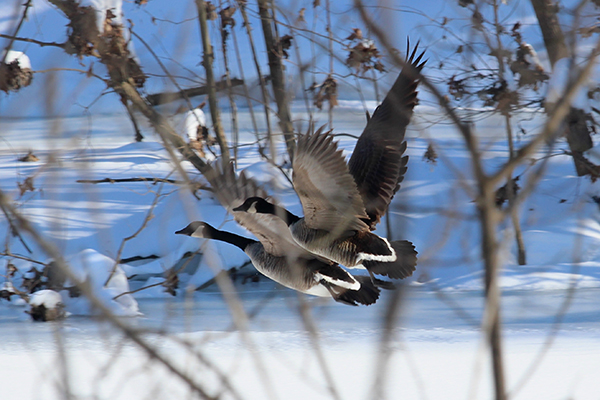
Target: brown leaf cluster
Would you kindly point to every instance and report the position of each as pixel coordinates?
(227, 16)
(85, 39)
(50, 277)
(530, 73)
(29, 157)
(499, 96)
(211, 11)
(115, 54)
(502, 193)
(457, 87)
(42, 314)
(13, 77)
(284, 44)
(430, 154)
(327, 92)
(364, 55)
(26, 186)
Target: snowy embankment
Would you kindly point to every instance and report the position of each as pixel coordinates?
(89, 221)
(434, 354)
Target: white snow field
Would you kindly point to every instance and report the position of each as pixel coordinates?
(436, 350)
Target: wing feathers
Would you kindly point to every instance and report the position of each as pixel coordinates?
(324, 185)
(376, 163)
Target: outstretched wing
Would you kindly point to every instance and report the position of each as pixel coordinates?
(377, 163)
(329, 197)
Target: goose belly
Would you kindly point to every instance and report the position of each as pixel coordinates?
(291, 273)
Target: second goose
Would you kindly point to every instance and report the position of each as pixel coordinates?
(342, 203)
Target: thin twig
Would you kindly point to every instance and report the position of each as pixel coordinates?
(14, 36)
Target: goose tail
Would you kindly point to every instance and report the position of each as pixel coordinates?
(403, 267)
(366, 295)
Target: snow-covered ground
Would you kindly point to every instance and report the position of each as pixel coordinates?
(435, 352)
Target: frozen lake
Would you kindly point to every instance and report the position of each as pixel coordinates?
(431, 336)
(436, 349)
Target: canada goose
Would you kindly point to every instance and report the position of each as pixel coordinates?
(307, 275)
(276, 255)
(342, 202)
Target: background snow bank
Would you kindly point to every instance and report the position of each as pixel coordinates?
(88, 221)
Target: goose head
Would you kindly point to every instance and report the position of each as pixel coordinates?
(197, 229)
(256, 205)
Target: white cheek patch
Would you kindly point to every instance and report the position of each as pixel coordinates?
(198, 233)
(252, 209)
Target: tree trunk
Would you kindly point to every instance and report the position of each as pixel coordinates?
(576, 131)
(277, 77)
(554, 39)
(489, 217)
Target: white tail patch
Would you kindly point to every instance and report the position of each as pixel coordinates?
(354, 285)
(378, 257)
(318, 290)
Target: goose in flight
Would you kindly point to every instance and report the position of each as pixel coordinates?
(342, 203)
(276, 254)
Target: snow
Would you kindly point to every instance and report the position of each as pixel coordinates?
(563, 72)
(101, 6)
(48, 298)
(23, 59)
(107, 279)
(193, 120)
(433, 352)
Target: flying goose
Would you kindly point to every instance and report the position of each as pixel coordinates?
(276, 255)
(342, 203)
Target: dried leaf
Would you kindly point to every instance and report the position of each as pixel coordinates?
(327, 92)
(300, 19)
(457, 88)
(29, 157)
(227, 16)
(364, 56)
(430, 154)
(284, 44)
(356, 34)
(33, 283)
(26, 186)
(11, 270)
(502, 193)
(477, 20)
(13, 77)
(211, 11)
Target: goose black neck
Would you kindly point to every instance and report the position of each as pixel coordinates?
(231, 238)
(285, 215)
